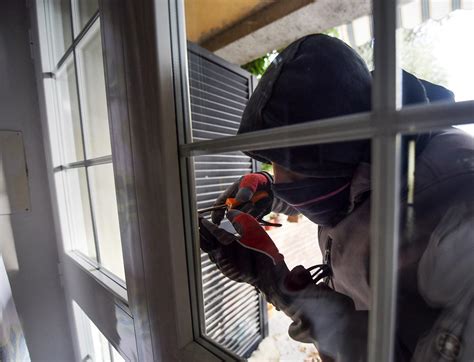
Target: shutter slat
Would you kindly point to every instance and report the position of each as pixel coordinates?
(198, 62)
(220, 125)
(215, 82)
(216, 119)
(205, 105)
(229, 325)
(216, 91)
(198, 92)
(209, 134)
(231, 308)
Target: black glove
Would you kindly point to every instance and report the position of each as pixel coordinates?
(249, 257)
(320, 315)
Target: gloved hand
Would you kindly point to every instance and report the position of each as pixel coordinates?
(249, 257)
(320, 315)
(243, 190)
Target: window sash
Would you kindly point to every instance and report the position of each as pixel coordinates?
(53, 119)
(384, 125)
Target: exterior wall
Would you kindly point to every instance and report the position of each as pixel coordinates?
(36, 287)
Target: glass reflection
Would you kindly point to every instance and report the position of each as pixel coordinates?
(104, 206)
(84, 10)
(79, 212)
(435, 44)
(60, 31)
(92, 91)
(93, 345)
(436, 247)
(69, 120)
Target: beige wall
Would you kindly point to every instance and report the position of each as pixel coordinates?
(36, 287)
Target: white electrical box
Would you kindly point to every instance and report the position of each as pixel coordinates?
(14, 191)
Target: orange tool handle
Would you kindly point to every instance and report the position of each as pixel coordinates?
(232, 203)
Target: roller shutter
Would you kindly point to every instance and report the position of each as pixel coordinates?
(234, 313)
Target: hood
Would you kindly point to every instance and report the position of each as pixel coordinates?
(318, 77)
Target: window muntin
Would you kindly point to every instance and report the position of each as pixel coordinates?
(80, 136)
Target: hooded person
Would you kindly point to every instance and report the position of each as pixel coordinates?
(319, 77)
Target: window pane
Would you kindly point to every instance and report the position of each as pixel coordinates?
(104, 202)
(60, 32)
(93, 346)
(53, 123)
(83, 12)
(92, 93)
(436, 251)
(436, 47)
(79, 212)
(257, 66)
(317, 215)
(69, 120)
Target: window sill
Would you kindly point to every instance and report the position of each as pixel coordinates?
(106, 279)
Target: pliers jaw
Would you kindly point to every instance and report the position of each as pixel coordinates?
(226, 207)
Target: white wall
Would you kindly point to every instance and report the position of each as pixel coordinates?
(36, 287)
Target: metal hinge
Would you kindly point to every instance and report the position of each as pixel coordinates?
(61, 274)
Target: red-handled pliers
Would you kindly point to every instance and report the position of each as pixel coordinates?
(232, 203)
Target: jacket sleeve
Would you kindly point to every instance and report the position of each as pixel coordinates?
(446, 281)
(319, 315)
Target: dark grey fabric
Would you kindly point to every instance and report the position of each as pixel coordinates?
(315, 77)
(444, 177)
(319, 77)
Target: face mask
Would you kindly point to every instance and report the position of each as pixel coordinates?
(322, 200)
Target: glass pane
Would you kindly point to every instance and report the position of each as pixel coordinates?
(436, 246)
(313, 207)
(104, 202)
(83, 12)
(93, 346)
(258, 65)
(69, 120)
(53, 123)
(92, 93)
(60, 32)
(79, 212)
(436, 47)
(228, 44)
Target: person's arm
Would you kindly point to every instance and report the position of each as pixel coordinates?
(446, 281)
(319, 314)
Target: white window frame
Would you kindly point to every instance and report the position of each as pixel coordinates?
(101, 294)
(148, 102)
